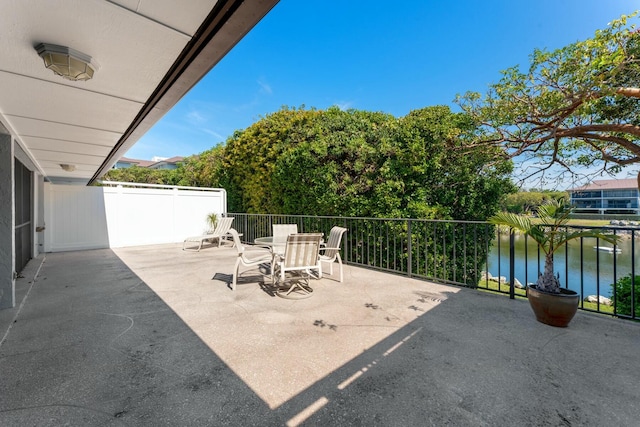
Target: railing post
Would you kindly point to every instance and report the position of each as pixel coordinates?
(633, 275)
(409, 250)
(512, 264)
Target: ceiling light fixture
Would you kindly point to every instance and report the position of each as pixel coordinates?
(66, 62)
(68, 168)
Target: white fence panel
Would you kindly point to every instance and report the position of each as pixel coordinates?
(192, 207)
(139, 216)
(74, 218)
(101, 217)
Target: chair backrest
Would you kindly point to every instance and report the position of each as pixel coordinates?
(335, 237)
(302, 250)
(282, 231)
(224, 224)
(236, 240)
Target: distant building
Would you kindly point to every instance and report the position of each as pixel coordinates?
(170, 163)
(156, 163)
(609, 196)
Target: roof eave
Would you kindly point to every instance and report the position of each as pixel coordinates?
(224, 27)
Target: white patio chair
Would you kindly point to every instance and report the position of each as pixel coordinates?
(280, 234)
(300, 257)
(282, 231)
(220, 232)
(331, 251)
(261, 256)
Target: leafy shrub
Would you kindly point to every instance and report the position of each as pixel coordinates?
(621, 291)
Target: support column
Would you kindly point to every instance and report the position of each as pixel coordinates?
(38, 217)
(7, 234)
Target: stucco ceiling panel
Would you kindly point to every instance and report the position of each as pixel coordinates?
(185, 20)
(82, 170)
(70, 158)
(56, 103)
(60, 131)
(66, 146)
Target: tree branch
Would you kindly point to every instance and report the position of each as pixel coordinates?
(606, 127)
(631, 92)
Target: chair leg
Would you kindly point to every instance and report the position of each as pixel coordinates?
(235, 275)
(340, 264)
(273, 268)
(298, 289)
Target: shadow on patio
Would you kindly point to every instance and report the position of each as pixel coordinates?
(150, 335)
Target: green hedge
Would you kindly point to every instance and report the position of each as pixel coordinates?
(622, 295)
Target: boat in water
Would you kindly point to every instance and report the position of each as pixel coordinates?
(608, 249)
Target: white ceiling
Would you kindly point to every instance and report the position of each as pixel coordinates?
(134, 43)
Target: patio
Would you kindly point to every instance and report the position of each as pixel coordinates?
(152, 335)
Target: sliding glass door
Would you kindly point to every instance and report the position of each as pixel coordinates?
(23, 228)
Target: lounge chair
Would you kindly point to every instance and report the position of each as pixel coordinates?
(220, 232)
(261, 256)
(331, 251)
(300, 257)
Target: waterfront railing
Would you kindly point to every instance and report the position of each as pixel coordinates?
(477, 254)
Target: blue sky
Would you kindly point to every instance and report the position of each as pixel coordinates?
(370, 55)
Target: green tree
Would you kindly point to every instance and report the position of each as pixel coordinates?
(247, 164)
(576, 107)
(201, 170)
(141, 175)
(522, 202)
(525, 202)
(442, 177)
(333, 165)
(358, 163)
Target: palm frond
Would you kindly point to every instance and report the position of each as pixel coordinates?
(594, 233)
(551, 233)
(517, 222)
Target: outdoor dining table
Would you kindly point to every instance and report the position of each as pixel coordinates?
(275, 247)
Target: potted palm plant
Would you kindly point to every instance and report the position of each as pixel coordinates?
(551, 303)
(212, 221)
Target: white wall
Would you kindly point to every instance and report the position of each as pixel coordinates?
(101, 217)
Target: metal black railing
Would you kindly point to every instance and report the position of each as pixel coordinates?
(475, 254)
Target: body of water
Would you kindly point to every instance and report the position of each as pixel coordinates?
(582, 268)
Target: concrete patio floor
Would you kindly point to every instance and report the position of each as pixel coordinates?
(154, 336)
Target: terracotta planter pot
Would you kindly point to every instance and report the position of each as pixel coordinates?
(553, 309)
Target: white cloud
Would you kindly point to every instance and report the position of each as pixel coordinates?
(195, 116)
(344, 105)
(265, 88)
(213, 133)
